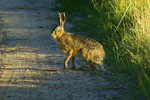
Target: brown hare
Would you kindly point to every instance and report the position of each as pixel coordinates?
(76, 45)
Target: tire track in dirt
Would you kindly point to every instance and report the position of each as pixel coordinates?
(31, 63)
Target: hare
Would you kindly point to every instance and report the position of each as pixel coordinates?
(76, 45)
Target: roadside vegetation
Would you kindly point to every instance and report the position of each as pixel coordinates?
(123, 27)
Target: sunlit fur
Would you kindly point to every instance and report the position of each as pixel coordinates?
(76, 45)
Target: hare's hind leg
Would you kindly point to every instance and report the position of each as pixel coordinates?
(93, 66)
(102, 68)
(69, 54)
(73, 63)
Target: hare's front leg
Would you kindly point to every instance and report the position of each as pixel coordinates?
(73, 63)
(69, 54)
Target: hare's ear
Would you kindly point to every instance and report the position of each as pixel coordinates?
(62, 18)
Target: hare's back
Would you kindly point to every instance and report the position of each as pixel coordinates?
(87, 42)
(77, 42)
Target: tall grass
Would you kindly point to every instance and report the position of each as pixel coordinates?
(123, 27)
(134, 49)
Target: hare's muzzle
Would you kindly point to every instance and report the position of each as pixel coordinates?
(53, 35)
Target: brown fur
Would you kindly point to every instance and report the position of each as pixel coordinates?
(76, 45)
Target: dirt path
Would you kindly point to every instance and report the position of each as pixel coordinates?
(31, 65)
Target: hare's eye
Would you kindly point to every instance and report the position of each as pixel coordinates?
(56, 29)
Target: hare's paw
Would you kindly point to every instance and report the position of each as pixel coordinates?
(65, 67)
(102, 69)
(73, 68)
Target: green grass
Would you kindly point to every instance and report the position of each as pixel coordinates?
(123, 27)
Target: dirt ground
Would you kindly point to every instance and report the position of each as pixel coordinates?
(31, 64)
